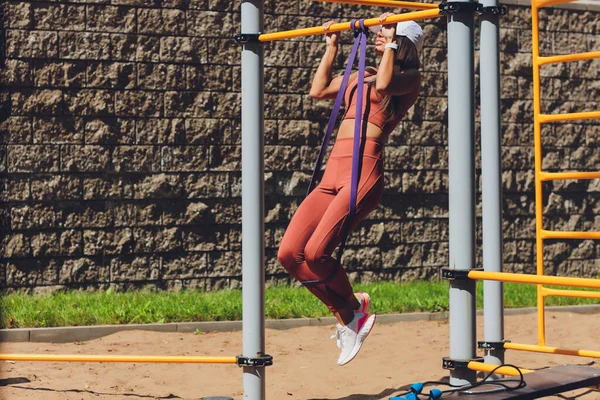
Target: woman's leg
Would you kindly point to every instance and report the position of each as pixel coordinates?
(291, 253)
(329, 233)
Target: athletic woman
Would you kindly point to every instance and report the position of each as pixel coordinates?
(319, 224)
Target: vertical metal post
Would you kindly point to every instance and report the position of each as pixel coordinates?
(491, 177)
(252, 199)
(461, 169)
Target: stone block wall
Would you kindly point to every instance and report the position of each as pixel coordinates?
(120, 145)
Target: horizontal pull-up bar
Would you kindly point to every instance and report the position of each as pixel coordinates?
(385, 3)
(483, 367)
(345, 26)
(551, 350)
(547, 3)
(545, 118)
(123, 359)
(534, 279)
(568, 57)
(546, 234)
(578, 294)
(551, 176)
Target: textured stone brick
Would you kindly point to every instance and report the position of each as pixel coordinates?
(54, 130)
(160, 186)
(136, 159)
(84, 45)
(45, 244)
(16, 73)
(220, 52)
(16, 245)
(134, 103)
(38, 102)
(109, 130)
(128, 269)
(30, 273)
(112, 75)
(17, 15)
(206, 77)
(184, 158)
(103, 18)
(33, 158)
(225, 158)
(59, 17)
(181, 49)
(91, 102)
(59, 74)
(15, 130)
(161, 131)
(161, 76)
(31, 44)
(188, 104)
(192, 265)
(138, 214)
(56, 187)
(83, 271)
(107, 188)
(88, 158)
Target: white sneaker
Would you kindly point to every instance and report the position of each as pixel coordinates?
(351, 337)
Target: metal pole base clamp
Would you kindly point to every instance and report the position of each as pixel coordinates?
(242, 38)
(491, 10)
(453, 7)
(492, 345)
(449, 363)
(462, 274)
(258, 362)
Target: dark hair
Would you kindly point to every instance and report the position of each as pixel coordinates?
(407, 57)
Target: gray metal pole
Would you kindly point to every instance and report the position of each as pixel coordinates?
(253, 200)
(461, 169)
(491, 169)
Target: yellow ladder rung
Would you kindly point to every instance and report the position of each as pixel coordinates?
(546, 3)
(545, 118)
(545, 234)
(568, 57)
(552, 176)
(385, 3)
(579, 294)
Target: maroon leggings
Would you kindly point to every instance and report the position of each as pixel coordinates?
(317, 227)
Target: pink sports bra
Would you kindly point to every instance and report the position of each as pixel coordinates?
(372, 107)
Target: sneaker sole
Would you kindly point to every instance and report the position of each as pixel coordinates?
(362, 335)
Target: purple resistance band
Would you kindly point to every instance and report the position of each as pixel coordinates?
(361, 35)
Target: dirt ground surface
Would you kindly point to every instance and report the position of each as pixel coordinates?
(394, 356)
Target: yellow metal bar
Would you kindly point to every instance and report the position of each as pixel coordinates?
(537, 140)
(115, 359)
(410, 5)
(545, 118)
(545, 234)
(551, 350)
(546, 3)
(345, 26)
(535, 279)
(551, 176)
(569, 58)
(483, 367)
(580, 294)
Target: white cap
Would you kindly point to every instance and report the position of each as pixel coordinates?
(409, 29)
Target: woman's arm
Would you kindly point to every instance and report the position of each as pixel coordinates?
(323, 86)
(387, 82)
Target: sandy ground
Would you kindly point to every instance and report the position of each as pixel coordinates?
(394, 356)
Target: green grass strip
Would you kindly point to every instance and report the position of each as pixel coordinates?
(73, 308)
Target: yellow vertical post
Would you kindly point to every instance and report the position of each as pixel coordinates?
(537, 138)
